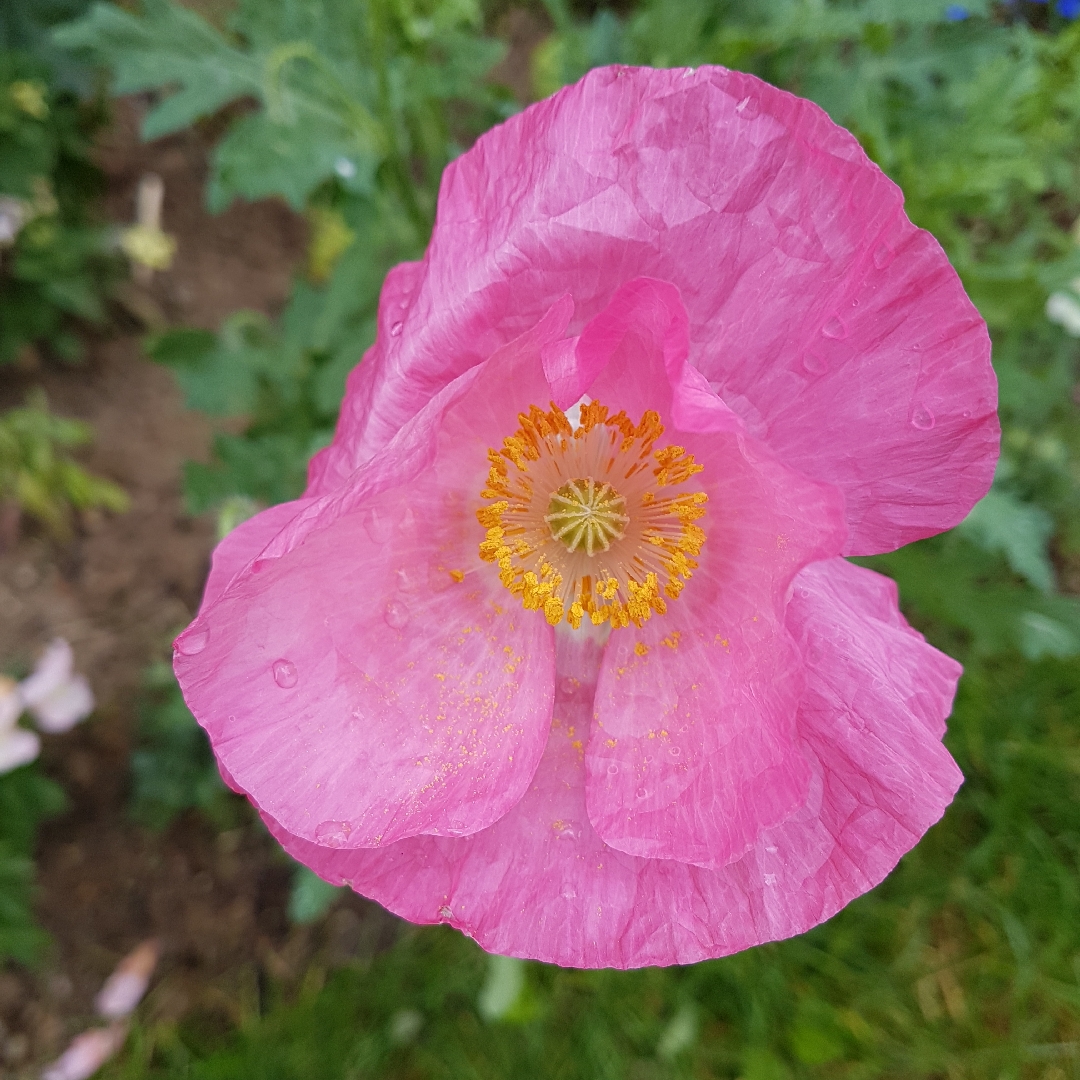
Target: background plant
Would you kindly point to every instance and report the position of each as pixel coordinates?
(27, 797)
(54, 262)
(39, 477)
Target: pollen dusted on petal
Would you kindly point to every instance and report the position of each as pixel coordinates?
(579, 521)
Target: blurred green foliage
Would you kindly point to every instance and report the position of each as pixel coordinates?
(26, 799)
(966, 961)
(54, 261)
(36, 474)
(172, 766)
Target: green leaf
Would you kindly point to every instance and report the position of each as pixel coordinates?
(310, 897)
(169, 46)
(1020, 531)
(261, 157)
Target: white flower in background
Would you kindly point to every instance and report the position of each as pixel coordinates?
(125, 987)
(87, 1053)
(1063, 308)
(123, 990)
(17, 745)
(13, 216)
(55, 695)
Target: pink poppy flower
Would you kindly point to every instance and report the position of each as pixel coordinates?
(558, 646)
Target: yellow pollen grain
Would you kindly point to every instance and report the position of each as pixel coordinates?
(458, 575)
(591, 523)
(641, 649)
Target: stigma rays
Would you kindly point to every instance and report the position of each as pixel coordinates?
(591, 522)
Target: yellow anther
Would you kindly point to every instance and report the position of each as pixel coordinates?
(607, 544)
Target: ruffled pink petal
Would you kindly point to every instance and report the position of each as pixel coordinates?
(837, 330)
(364, 676)
(245, 543)
(870, 723)
(365, 406)
(694, 751)
(541, 884)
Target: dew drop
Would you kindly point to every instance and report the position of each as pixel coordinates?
(568, 892)
(804, 593)
(922, 419)
(396, 328)
(612, 770)
(345, 168)
(675, 751)
(835, 328)
(568, 687)
(770, 879)
(445, 912)
(570, 830)
(641, 793)
(396, 614)
(814, 364)
(883, 255)
(749, 107)
(193, 642)
(285, 673)
(332, 833)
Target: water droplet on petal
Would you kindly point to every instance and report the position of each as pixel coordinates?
(641, 793)
(194, 641)
(612, 770)
(814, 364)
(568, 892)
(285, 674)
(569, 830)
(332, 833)
(396, 614)
(675, 751)
(922, 418)
(749, 107)
(569, 687)
(396, 328)
(445, 912)
(834, 328)
(883, 255)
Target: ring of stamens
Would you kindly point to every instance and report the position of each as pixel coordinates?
(591, 521)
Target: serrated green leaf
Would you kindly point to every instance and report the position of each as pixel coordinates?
(168, 46)
(1020, 531)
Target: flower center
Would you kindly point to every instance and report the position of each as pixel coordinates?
(591, 521)
(585, 514)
